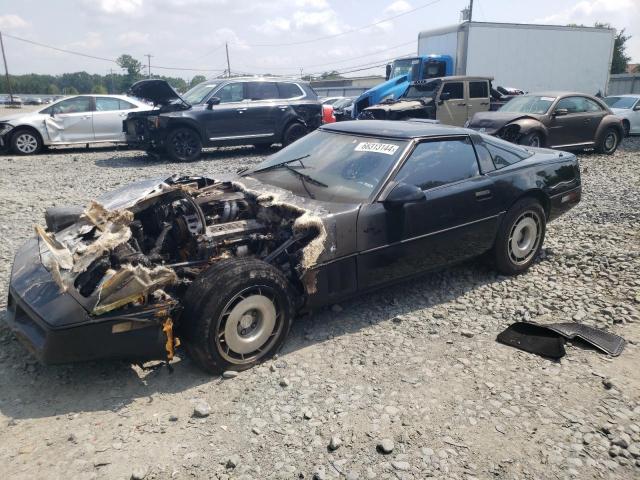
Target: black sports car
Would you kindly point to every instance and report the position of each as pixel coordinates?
(226, 263)
(566, 120)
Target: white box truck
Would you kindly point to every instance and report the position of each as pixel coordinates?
(527, 57)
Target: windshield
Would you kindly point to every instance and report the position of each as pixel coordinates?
(350, 166)
(198, 93)
(620, 102)
(420, 90)
(402, 67)
(528, 104)
(343, 102)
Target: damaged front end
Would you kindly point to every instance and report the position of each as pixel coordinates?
(402, 109)
(122, 267)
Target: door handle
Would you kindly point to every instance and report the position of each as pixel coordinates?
(587, 120)
(241, 110)
(483, 195)
(283, 108)
(484, 103)
(86, 117)
(460, 104)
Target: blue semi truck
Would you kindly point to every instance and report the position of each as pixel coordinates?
(399, 76)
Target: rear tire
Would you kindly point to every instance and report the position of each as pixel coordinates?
(237, 314)
(533, 139)
(26, 142)
(626, 128)
(294, 132)
(183, 145)
(609, 142)
(520, 237)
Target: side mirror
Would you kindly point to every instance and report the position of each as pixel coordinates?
(636, 108)
(444, 96)
(387, 72)
(213, 101)
(403, 193)
(560, 112)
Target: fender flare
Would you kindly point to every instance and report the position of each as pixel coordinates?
(31, 128)
(609, 122)
(529, 125)
(187, 123)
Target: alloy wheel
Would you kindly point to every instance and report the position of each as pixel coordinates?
(524, 237)
(26, 143)
(250, 324)
(185, 144)
(610, 141)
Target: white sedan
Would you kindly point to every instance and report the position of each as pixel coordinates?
(627, 107)
(82, 119)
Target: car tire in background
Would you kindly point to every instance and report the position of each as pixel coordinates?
(609, 141)
(183, 145)
(25, 141)
(520, 237)
(293, 132)
(237, 313)
(626, 128)
(533, 139)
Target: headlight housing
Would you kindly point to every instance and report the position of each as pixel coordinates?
(5, 128)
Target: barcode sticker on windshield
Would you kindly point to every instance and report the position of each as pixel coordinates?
(386, 148)
(548, 99)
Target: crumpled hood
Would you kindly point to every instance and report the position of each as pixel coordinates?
(159, 92)
(402, 105)
(492, 121)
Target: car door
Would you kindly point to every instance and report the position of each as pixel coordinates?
(452, 106)
(571, 123)
(458, 218)
(478, 97)
(634, 118)
(71, 120)
(226, 121)
(264, 109)
(109, 114)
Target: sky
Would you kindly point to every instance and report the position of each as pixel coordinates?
(275, 36)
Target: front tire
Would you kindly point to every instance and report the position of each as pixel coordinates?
(26, 142)
(237, 314)
(609, 142)
(183, 145)
(520, 237)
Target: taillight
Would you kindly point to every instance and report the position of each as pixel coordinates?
(327, 114)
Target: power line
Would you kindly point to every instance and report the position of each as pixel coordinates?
(370, 65)
(346, 32)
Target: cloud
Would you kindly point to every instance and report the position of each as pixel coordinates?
(133, 38)
(397, 7)
(127, 7)
(317, 4)
(589, 11)
(11, 21)
(92, 41)
(273, 26)
(323, 21)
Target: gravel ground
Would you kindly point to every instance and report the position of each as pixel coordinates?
(406, 383)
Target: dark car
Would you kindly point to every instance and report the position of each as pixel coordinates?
(554, 119)
(226, 263)
(235, 111)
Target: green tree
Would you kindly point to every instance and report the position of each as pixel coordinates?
(130, 64)
(52, 89)
(332, 75)
(70, 91)
(196, 80)
(620, 59)
(99, 90)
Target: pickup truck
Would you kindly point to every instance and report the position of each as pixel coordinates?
(450, 100)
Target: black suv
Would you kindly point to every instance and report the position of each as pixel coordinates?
(221, 112)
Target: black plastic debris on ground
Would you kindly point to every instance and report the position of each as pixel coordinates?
(548, 340)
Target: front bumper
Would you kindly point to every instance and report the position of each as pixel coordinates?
(55, 328)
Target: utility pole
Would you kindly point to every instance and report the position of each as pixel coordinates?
(148, 55)
(470, 9)
(226, 46)
(6, 70)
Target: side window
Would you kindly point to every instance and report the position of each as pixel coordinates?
(232, 92)
(124, 105)
(591, 106)
(289, 90)
(478, 89)
(572, 104)
(454, 89)
(262, 91)
(73, 105)
(106, 104)
(503, 156)
(438, 163)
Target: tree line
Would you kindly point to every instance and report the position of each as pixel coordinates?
(83, 82)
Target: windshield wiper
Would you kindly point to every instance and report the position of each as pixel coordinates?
(283, 164)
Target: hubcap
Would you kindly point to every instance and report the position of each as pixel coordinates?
(524, 238)
(250, 325)
(610, 141)
(26, 143)
(535, 141)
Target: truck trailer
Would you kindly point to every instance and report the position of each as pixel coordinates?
(528, 57)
